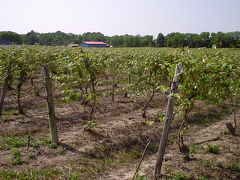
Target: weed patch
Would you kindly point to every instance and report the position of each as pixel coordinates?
(212, 149)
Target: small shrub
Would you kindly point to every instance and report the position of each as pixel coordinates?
(212, 149)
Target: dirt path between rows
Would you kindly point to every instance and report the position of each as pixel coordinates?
(213, 134)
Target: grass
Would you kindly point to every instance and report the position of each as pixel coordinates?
(6, 113)
(4, 118)
(46, 141)
(102, 157)
(10, 111)
(139, 177)
(179, 176)
(133, 154)
(31, 155)
(90, 125)
(195, 149)
(48, 173)
(15, 145)
(203, 178)
(228, 149)
(214, 149)
(59, 150)
(153, 147)
(212, 164)
(9, 175)
(159, 117)
(30, 175)
(7, 143)
(205, 121)
(16, 157)
(235, 168)
(168, 169)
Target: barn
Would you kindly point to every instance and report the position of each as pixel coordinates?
(4, 42)
(98, 44)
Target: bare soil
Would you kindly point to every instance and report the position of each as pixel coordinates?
(113, 147)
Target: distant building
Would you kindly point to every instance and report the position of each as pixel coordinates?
(73, 45)
(4, 42)
(99, 44)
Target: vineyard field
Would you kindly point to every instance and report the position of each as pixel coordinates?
(109, 102)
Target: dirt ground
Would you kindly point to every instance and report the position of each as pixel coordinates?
(112, 148)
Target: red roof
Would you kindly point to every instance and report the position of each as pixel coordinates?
(94, 42)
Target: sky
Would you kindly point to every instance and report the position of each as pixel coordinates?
(119, 17)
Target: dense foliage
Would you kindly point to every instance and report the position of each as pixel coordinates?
(209, 75)
(176, 39)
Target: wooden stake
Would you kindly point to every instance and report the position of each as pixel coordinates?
(3, 94)
(143, 155)
(51, 108)
(168, 118)
(5, 87)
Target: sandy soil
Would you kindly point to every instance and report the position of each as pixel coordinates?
(119, 125)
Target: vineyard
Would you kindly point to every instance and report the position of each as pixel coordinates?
(109, 103)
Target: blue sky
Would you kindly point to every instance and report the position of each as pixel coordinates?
(118, 17)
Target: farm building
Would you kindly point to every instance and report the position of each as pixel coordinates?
(73, 45)
(4, 42)
(94, 44)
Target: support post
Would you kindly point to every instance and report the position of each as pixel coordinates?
(51, 108)
(5, 87)
(168, 118)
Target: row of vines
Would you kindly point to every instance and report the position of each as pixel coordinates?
(87, 75)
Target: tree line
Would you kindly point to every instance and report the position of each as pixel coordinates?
(175, 39)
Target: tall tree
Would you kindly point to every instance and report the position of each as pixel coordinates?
(205, 39)
(32, 38)
(160, 40)
(10, 36)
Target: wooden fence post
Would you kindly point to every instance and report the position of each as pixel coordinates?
(51, 108)
(168, 118)
(3, 94)
(5, 87)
